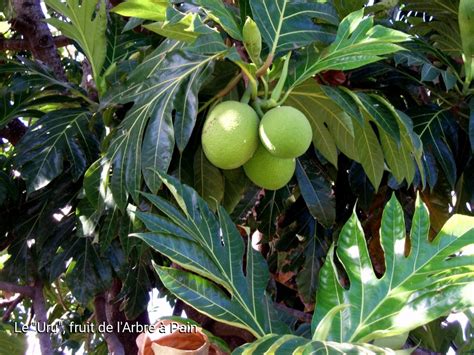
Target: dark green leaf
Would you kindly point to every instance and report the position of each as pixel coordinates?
(384, 116)
(218, 11)
(345, 100)
(437, 131)
(316, 191)
(167, 80)
(358, 43)
(235, 182)
(208, 180)
(370, 153)
(88, 273)
(59, 135)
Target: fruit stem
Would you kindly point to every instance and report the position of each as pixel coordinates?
(263, 69)
(257, 106)
(246, 96)
(265, 86)
(233, 83)
(285, 97)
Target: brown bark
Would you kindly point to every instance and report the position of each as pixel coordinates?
(115, 315)
(114, 345)
(13, 132)
(17, 45)
(12, 288)
(30, 23)
(39, 305)
(11, 307)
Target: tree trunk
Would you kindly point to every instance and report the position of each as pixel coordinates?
(30, 23)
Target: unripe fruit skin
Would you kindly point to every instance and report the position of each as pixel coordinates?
(285, 132)
(268, 171)
(466, 25)
(230, 134)
(466, 29)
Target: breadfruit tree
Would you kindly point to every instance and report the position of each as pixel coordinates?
(292, 176)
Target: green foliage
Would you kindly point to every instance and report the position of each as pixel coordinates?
(391, 111)
(343, 124)
(316, 191)
(57, 134)
(285, 25)
(395, 303)
(161, 84)
(212, 248)
(291, 344)
(10, 342)
(87, 26)
(358, 42)
(145, 9)
(376, 307)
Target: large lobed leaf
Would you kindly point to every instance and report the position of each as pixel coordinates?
(340, 120)
(426, 284)
(87, 25)
(59, 135)
(358, 42)
(211, 247)
(291, 344)
(165, 84)
(287, 25)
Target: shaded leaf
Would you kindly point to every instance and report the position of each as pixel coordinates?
(438, 132)
(358, 42)
(370, 153)
(218, 11)
(316, 191)
(57, 136)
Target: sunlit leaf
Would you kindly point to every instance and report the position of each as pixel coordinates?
(86, 24)
(287, 25)
(415, 289)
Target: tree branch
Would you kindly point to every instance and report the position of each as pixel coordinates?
(41, 315)
(11, 307)
(12, 132)
(24, 45)
(12, 288)
(113, 343)
(302, 316)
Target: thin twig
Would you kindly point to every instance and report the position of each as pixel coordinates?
(223, 92)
